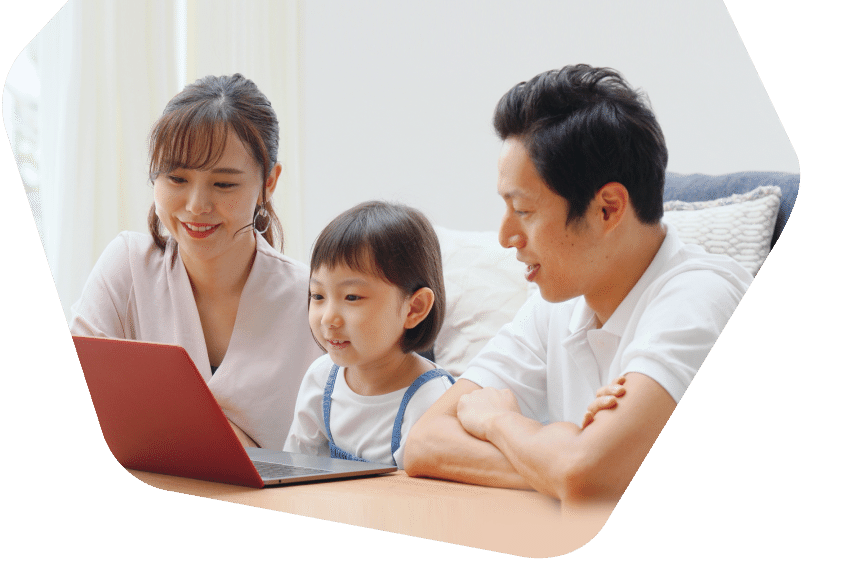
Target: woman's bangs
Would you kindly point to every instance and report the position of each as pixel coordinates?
(186, 142)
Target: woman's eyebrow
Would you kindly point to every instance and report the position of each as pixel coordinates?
(227, 171)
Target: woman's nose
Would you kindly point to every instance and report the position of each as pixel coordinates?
(199, 201)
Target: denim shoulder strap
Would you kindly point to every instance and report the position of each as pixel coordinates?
(419, 382)
(326, 400)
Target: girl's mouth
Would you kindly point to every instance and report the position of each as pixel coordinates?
(338, 344)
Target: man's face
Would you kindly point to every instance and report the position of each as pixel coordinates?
(560, 259)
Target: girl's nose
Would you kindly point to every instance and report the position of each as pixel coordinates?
(331, 318)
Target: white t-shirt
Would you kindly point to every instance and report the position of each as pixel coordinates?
(360, 424)
(554, 359)
(134, 292)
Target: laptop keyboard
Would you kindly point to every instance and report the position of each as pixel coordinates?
(277, 471)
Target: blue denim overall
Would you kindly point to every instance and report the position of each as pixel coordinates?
(339, 453)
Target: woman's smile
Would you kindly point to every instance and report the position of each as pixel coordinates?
(198, 230)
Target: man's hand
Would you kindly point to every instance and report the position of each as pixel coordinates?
(477, 409)
(606, 398)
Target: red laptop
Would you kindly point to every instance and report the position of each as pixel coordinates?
(158, 415)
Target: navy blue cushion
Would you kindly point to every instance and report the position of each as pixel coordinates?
(699, 187)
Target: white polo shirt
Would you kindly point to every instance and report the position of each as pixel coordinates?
(554, 359)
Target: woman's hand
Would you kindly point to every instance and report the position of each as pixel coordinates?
(606, 398)
(243, 437)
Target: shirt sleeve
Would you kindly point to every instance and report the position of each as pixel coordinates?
(679, 327)
(421, 401)
(515, 359)
(307, 434)
(102, 309)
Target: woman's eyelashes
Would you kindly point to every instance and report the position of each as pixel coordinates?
(178, 180)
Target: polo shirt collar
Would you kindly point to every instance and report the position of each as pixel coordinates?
(616, 324)
(582, 317)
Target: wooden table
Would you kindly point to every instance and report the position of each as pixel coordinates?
(524, 523)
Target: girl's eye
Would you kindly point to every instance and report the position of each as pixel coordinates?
(352, 297)
(175, 179)
(225, 185)
(316, 297)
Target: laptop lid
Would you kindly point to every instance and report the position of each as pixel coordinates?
(158, 415)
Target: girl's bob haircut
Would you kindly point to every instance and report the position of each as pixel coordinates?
(396, 243)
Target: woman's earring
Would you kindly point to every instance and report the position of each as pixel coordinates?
(263, 214)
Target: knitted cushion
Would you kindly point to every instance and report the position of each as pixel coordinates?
(740, 226)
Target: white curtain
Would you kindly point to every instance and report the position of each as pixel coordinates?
(260, 39)
(107, 69)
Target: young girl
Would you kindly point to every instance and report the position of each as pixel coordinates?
(376, 298)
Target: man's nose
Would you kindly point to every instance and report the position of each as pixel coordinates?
(509, 234)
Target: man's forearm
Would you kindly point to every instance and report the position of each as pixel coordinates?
(449, 453)
(565, 461)
(540, 454)
(439, 447)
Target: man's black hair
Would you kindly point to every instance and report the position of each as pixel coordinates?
(584, 127)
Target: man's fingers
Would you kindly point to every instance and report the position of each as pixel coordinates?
(598, 404)
(616, 389)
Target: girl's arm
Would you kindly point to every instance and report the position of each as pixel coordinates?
(307, 433)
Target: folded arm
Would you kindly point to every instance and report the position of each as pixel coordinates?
(565, 461)
(439, 447)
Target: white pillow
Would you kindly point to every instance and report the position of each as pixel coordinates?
(485, 287)
(740, 226)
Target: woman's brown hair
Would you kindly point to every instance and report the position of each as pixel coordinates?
(192, 134)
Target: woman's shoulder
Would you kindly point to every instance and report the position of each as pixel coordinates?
(273, 262)
(136, 245)
(128, 249)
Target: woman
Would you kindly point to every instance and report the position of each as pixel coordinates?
(214, 285)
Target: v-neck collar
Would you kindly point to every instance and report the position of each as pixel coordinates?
(197, 348)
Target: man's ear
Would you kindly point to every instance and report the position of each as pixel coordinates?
(419, 306)
(611, 201)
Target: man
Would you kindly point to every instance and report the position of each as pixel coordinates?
(622, 301)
